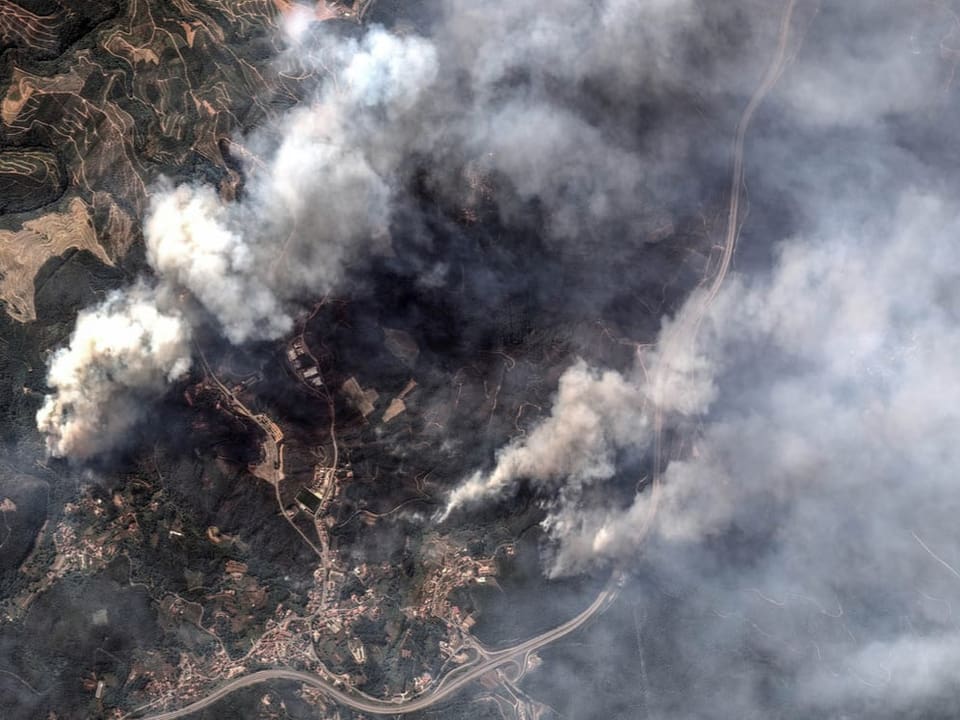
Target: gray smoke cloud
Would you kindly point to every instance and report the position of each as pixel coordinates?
(319, 194)
(122, 353)
(801, 558)
(322, 198)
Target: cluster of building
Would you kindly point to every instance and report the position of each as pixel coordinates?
(189, 678)
(76, 552)
(455, 569)
(315, 499)
(304, 364)
(247, 633)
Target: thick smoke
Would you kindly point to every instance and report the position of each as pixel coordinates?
(190, 245)
(122, 353)
(800, 555)
(801, 559)
(493, 91)
(595, 414)
(322, 199)
(599, 418)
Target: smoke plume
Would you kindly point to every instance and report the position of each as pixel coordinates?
(122, 353)
(322, 198)
(800, 560)
(594, 414)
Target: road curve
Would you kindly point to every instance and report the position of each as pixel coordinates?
(373, 706)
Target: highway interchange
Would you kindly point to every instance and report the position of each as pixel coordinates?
(448, 686)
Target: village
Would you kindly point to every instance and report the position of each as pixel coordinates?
(284, 635)
(366, 625)
(231, 623)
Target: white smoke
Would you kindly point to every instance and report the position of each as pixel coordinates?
(322, 199)
(121, 353)
(594, 414)
(188, 244)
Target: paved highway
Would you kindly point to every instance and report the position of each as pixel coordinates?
(445, 689)
(770, 78)
(682, 336)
